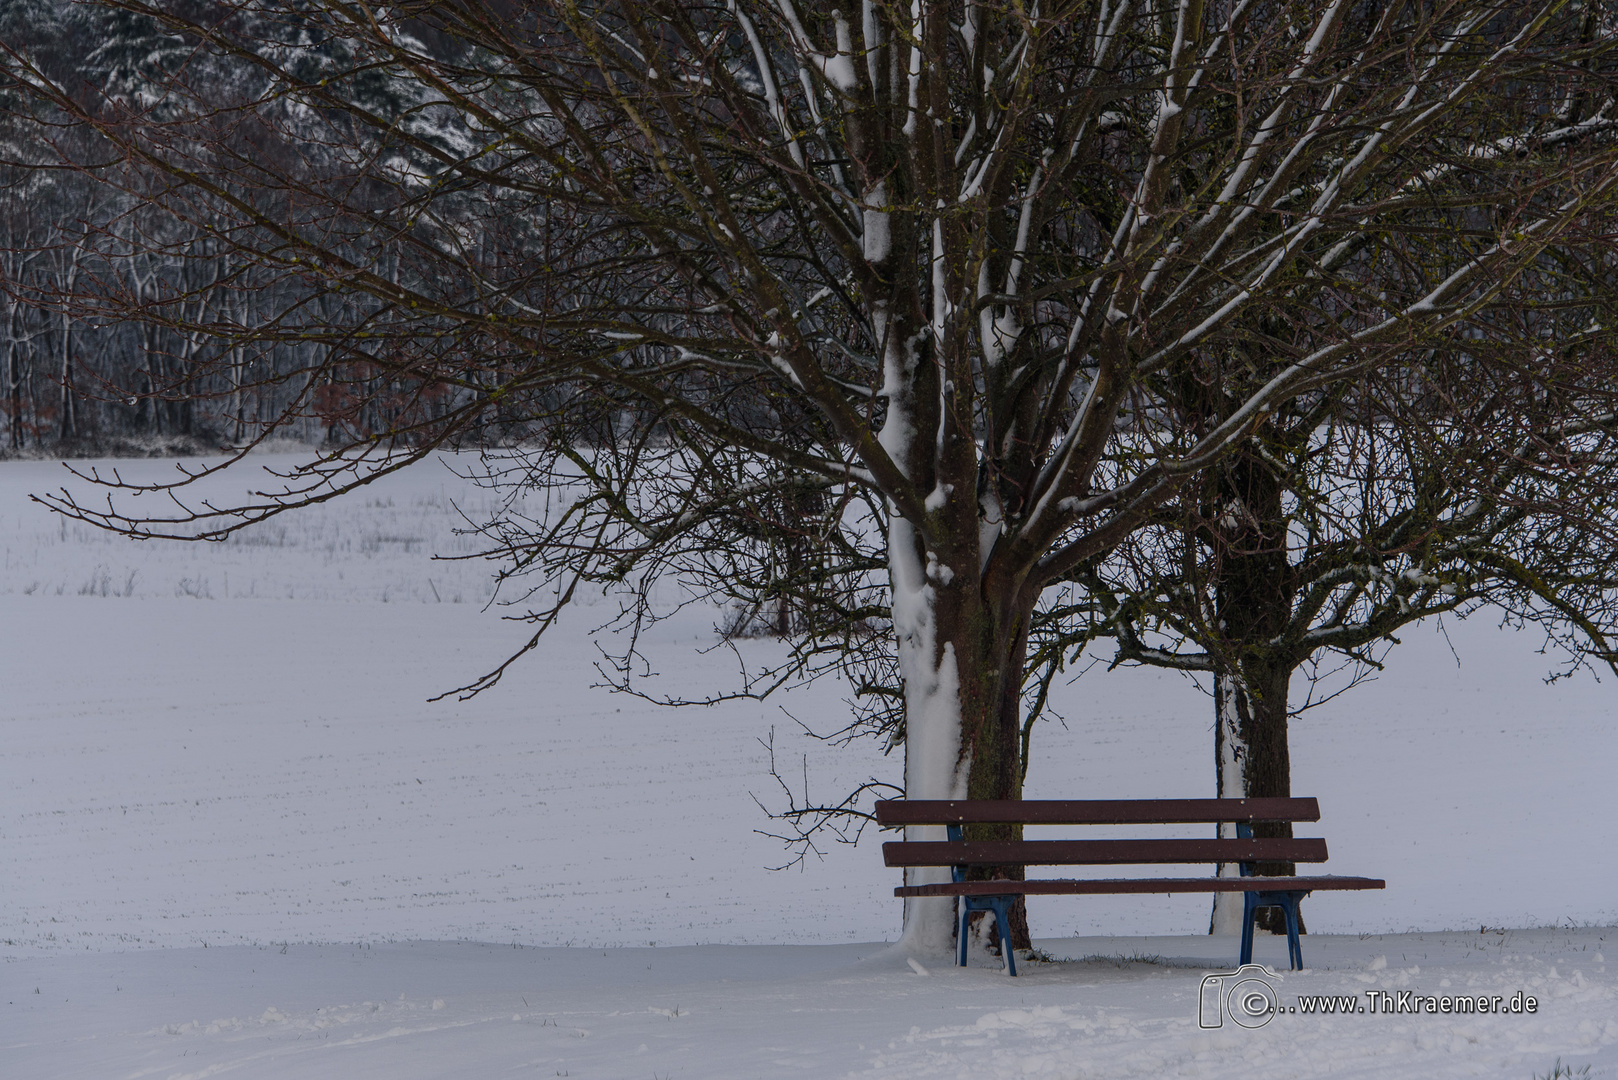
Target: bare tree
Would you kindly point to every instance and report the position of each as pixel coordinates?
(1307, 549)
(22, 250)
(948, 260)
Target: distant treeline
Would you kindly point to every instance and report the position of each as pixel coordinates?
(78, 252)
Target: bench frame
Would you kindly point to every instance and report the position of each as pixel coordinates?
(997, 896)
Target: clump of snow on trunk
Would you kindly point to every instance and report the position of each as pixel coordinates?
(1231, 769)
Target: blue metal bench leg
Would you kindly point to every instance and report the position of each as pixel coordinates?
(965, 905)
(1002, 916)
(1294, 947)
(1001, 906)
(1249, 910)
(1288, 903)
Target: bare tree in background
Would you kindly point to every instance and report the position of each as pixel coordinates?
(951, 263)
(1310, 547)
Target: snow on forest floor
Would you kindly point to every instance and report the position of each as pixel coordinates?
(216, 755)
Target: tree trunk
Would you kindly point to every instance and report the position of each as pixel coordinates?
(1254, 594)
(997, 768)
(1230, 766)
(1252, 761)
(68, 431)
(962, 664)
(14, 377)
(936, 762)
(69, 420)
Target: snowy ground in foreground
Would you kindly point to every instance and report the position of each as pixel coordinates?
(229, 745)
(1123, 1007)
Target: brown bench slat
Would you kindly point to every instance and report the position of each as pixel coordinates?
(1141, 885)
(1091, 811)
(1098, 852)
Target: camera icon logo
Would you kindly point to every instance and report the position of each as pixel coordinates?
(1247, 996)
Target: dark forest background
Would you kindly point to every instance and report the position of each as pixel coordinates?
(77, 378)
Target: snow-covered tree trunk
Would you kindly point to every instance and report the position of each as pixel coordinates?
(936, 767)
(1251, 761)
(1230, 765)
(943, 762)
(958, 628)
(962, 664)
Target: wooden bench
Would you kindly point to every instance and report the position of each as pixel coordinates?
(998, 895)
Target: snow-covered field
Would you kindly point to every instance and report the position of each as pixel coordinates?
(1122, 1007)
(233, 832)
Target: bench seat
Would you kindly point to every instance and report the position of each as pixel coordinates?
(1104, 886)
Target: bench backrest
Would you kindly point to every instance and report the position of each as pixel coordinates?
(957, 852)
(1091, 811)
(1099, 852)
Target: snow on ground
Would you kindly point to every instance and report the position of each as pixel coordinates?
(230, 746)
(1121, 1007)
